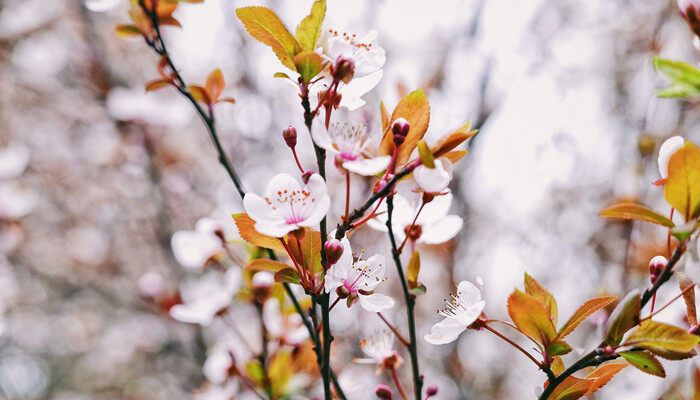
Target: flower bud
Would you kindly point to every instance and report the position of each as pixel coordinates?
(400, 130)
(334, 249)
(306, 176)
(290, 136)
(343, 69)
(690, 9)
(263, 280)
(657, 265)
(383, 392)
(342, 292)
(381, 184)
(432, 390)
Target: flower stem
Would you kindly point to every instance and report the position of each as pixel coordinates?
(691, 287)
(412, 225)
(393, 329)
(347, 195)
(397, 381)
(510, 342)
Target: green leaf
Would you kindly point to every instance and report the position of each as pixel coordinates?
(682, 187)
(266, 27)
(255, 371)
(644, 361)
(558, 348)
(678, 90)
(684, 231)
(530, 317)
(308, 64)
(623, 318)
(128, 30)
(413, 270)
(656, 335)
(287, 275)
(638, 212)
(541, 294)
(426, 156)
(678, 71)
(281, 75)
(583, 312)
(418, 290)
(309, 29)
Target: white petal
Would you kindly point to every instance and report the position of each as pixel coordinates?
(317, 186)
(670, 146)
(257, 208)
(192, 249)
(13, 160)
(319, 212)
(441, 231)
(281, 182)
(368, 166)
(445, 331)
(436, 209)
(468, 316)
(357, 87)
(376, 302)
(322, 139)
(196, 313)
(432, 180)
(469, 292)
(275, 229)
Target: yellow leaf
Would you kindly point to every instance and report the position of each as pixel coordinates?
(157, 84)
(385, 117)
(644, 362)
(280, 372)
(426, 157)
(215, 84)
(455, 155)
(541, 294)
(638, 212)
(263, 264)
(584, 312)
(682, 187)
(200, 94)
(310, 249)
(309, 29)
(128, 30)
(414, 107)
(530, 317)
(265, 26)
(413, 270)
(246, 228)
(651, 334)
(453, 139)
(308, 64)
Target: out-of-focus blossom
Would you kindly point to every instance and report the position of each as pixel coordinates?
(13, 160)
(348, 142)
(151, 284)
(287, 206)
(379, 349)
(193, 249)
(209, 295)
(263, 280)
(217, 365)
(101, 5)
(670, 146)
(217, 392)
(434, 180)
(16, 201)
(460, 311)
(432, 226)
(288, 329)
(359, 278)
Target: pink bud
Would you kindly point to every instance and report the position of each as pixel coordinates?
(691, 11)
(657, 264)
(334, 249)
(432, 390)
(343, 70)
(290, 136)
(381, 184)
(383, 392)
(400, 130)
(306, 176)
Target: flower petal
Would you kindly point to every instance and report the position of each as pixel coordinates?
(376, 302)
(444, 332)
(368, 166)
(442, 230)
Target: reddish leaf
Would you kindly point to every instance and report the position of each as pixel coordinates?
(200, 94)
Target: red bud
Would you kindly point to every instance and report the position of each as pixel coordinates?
(290, 136)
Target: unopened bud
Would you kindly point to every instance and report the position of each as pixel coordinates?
(383, 392)
(381, 184)
(306, 176)
(263, 280)
(342, 292)
(432, 390)
(400, 130)
(334, 249)
(343, 70)
(691, 11)
(656, 266)
(290, 136)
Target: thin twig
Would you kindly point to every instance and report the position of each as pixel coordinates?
(396, 332)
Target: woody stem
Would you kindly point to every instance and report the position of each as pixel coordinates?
(510, 342)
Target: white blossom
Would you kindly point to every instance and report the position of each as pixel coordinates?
(379, 349)
(460, 311)
(348, 142)
(207, 296)
(434, 180)
(193, 249)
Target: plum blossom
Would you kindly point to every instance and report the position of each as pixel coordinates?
(670, 146)
(379, 350)
(348, 142)
(433, 225)
(13, 160)
(461, 311)
(434, 181)
(287, 206)
(359, 278)
(367, 57)
(193, 249)
(204, 298)
(289, 328)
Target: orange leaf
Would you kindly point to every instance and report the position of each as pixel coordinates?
(541, 294)
(689, 296)
(682, 188)
(585, 311)
(228, 100)
(638, 212)
(263, 264)
(414, 107)
(200, 94)
(530, 317)
(384, 116)
(128, 30)
(453, 139)
(603, 374)
(157, 84)
(455, 155)
(246, 228)
(571, 388)
(215, 84)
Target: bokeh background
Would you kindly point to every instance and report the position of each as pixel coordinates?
(96, 176)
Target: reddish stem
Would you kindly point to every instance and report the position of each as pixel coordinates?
(393, 329)
(397, 381)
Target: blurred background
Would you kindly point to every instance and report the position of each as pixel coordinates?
(96, 175)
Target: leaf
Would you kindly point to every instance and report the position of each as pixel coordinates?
(678, 90)
(309, 29)
(673, 355)
(583, 312)
(623, 318)
(644, 362)
(384, 116)
(651, 334)
(558, 348)
(287, 275)
(678, 72)
(530, 317)
(571, 388)
(308, 64)
(682, 188)
(255, 371)
(413, 269)
(215, 84)
(265, 26)
(414, 107)
(558, 365)
(603, 374)
(246, 228)
(689, 297)
(455, 155)
(128, 30)
(280, 371)
(638, 212)
(426, 157)
(310, 249)
(453, 139)
(263, 264)
(541, 294)
(281, 75)
(157, 84)
(200, 94)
